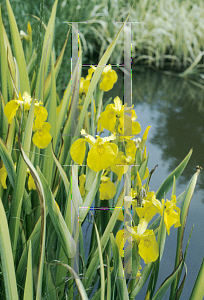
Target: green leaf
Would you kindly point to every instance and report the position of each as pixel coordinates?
(143, 167)
(161, 242)
(174, 187)
(18, 49)
(28, 292)
(101, 264)
(4, 72)
(141, 281)
(198, 288)
(90, 197)
(7, 257)
(108, 279)
(118, 271)
(167, 184)
(46, 52)
(10, 63)
(34, 239)
(183, 217)
(104, 240)
(164, 286)
(63, 233)
(79, 284)
(57, 66)
(8, 162)
(70, 98)
(180, 288)
(52, 119)
(41, 196)
(62, 172)
(136, 259)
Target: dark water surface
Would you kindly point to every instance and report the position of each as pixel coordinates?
(175, 109)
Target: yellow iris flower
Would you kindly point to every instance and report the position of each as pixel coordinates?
(171, 213)
(145, 238)
(12, 106)
(151, 206)
(148, 211)
(108, 77)
(101, 155)
(107, 188)
(113, 118)
(147, 245)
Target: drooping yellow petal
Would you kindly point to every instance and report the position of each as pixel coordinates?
(108, 119)
(42, 137)
(171, 214)
(78, 150)
(90, 72)
(109, 77)
(41, 116)
(10, 109)
(120, 241)
(148, 211)
(136, 128)
(107, 189)
(148, 248)
(101, 156)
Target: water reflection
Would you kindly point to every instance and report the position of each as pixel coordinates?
(176, 108)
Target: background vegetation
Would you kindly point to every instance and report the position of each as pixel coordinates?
(169, 35)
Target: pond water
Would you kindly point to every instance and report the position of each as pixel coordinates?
(175, 109)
